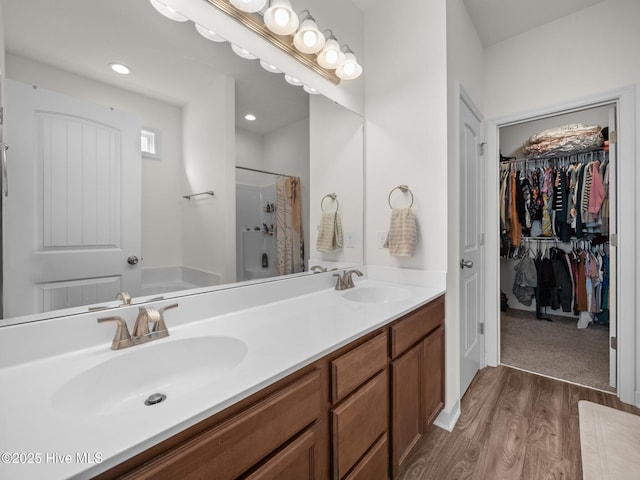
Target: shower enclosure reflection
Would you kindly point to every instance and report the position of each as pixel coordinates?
(268, 224)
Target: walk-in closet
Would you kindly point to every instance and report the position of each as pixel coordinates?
(557, 261)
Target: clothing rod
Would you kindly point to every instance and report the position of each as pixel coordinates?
(263, 171)
(594, 154)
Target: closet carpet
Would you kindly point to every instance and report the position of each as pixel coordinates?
(557, 349)
(513, 425)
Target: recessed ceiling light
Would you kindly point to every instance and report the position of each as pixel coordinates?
(250, 116)
(292, 80)
(310, 90)
(120, 68)
(268, 67)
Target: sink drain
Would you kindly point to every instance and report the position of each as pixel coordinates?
(155, 398)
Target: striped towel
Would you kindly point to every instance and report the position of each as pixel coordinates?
(403, 235)
(329, 232)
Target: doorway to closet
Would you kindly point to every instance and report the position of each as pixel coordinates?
(557, 264)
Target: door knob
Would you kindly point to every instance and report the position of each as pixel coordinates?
(132, 260)
(466, 263)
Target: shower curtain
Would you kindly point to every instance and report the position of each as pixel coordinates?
(289, 241)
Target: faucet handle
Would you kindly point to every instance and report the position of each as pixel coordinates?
(339, 282)
(122, 338)
(160, 326)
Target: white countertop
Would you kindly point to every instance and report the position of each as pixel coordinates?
(46, 441)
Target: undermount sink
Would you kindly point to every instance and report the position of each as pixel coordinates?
(170, 368)
(376, 294)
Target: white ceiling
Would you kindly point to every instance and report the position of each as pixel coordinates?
(497, 20)
(170, 60)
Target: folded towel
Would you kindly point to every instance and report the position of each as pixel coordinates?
(329, 232)
(402, 238)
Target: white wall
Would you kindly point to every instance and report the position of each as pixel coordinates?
(406, 127)
(249, 149)
(161, 194)
(586, 54)
(337, 166)
(209, 162)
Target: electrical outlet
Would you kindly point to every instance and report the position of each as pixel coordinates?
(382, 237)
(350, 239)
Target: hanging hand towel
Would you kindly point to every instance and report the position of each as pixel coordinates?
(403, 235)
(330, 232)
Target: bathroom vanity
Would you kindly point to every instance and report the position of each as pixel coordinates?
(310, 383)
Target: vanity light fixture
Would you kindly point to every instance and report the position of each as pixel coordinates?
(168, 11)
(308, 39)
(297, 36)
(292, 80)
(243, 52)
(250, 117)
(280, 17)
(350, 68)
(209, 34)
(120, 68)
(269, 68)
(331, 56)
(249, 6)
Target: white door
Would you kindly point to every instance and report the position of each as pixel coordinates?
(71, 210)
(471, 178)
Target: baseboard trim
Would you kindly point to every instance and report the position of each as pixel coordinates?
(448, 418)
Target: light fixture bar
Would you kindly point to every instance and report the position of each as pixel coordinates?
(253, 21)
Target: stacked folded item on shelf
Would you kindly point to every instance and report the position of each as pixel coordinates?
(573, 138)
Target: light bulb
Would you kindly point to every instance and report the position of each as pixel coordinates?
(332, 57)
(281, 16)
(309, 38)
(349, 68)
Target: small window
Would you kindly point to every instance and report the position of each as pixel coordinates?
(150, 143)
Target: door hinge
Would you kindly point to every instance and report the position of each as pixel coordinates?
(614, 343)
(613, 239)
(481, 148)
(613, 137)
(1, 115)
(481, 239)
(481, 328)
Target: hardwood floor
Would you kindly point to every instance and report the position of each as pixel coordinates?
(513, 425)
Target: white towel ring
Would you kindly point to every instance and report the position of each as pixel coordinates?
(333, 197)
(403, 189)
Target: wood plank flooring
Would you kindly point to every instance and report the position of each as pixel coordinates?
(514, 425)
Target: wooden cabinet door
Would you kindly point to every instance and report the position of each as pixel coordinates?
(406, 411)
(433, 377)
(297, 461)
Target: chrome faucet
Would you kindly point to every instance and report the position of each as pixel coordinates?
(141, 331)
(345, 281)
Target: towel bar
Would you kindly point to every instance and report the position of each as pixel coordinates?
(403, 189)
(332, 196)
(188, 197)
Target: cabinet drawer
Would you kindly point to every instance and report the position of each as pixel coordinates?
(352, 369)
(374, 465)
(296, 461)
(226, 450)
(415, 326)
(357, 422)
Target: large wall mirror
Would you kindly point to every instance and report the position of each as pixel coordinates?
(86, 214)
